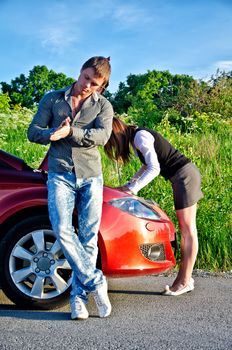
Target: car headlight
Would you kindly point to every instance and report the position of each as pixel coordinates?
(134, 207)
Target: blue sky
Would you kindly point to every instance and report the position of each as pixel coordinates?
(184, 37)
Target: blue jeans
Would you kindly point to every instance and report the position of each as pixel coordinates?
(65, 191)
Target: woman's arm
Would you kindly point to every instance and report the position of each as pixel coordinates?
(144, 142)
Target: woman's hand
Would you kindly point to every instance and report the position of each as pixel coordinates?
(124, 189)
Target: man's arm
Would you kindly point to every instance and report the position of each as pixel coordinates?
(38, 130)
(98, 135)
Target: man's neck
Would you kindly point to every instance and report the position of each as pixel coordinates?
(76, 93)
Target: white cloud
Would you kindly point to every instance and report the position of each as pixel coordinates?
(223, 65)
(56, 38)
(130, 16)
(64, 29)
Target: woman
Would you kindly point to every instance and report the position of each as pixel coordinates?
(160, 157)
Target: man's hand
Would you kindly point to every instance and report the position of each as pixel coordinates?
(62, 131)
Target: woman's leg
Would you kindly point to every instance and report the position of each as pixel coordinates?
(189, 246)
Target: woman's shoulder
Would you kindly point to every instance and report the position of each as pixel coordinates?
(143, 132)
(143, 136)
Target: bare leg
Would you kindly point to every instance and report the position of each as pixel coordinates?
(189, 246)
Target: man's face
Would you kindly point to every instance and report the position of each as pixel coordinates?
(88, 82)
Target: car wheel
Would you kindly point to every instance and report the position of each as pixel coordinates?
(34, 272)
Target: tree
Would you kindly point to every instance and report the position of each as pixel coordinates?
(154, 94)
(27, 91)
(123, 98)
(152, 90)
(220, 94)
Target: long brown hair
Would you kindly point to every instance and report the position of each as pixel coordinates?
(119, 144)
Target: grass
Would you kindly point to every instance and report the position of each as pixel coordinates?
(210, 150)
(13, 131)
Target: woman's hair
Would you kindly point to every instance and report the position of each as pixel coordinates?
(119, 144)
(101, 66)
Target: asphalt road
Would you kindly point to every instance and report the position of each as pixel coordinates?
(141, 319)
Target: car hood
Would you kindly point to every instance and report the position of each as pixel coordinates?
(13, 161)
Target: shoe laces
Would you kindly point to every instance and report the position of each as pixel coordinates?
(99, 299)
(79, 305)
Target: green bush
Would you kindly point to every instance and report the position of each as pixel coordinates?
(13, 130)
(4, 103)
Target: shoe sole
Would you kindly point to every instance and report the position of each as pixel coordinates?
(107, 315)
(79, 318)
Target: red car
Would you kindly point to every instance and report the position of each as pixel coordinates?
(135, 238)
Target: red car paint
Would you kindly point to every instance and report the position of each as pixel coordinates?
(122, 237)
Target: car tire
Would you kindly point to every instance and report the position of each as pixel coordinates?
(33, 270)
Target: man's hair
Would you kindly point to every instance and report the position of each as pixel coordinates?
(101, 66)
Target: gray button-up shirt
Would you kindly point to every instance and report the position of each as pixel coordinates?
(92, 127)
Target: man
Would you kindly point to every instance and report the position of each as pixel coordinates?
(75, 120)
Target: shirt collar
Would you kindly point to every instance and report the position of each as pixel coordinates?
(67, 92)
(95, 96)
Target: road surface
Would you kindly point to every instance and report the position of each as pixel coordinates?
(141, 319)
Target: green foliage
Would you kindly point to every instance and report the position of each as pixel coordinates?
(27, 91)
(124, 97)
(220, 95)
(213, 97)
(4, 103)
(13, 130)
(187, 103)
(154, 88)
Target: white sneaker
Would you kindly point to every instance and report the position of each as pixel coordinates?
(78, 310)
(102, 301)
